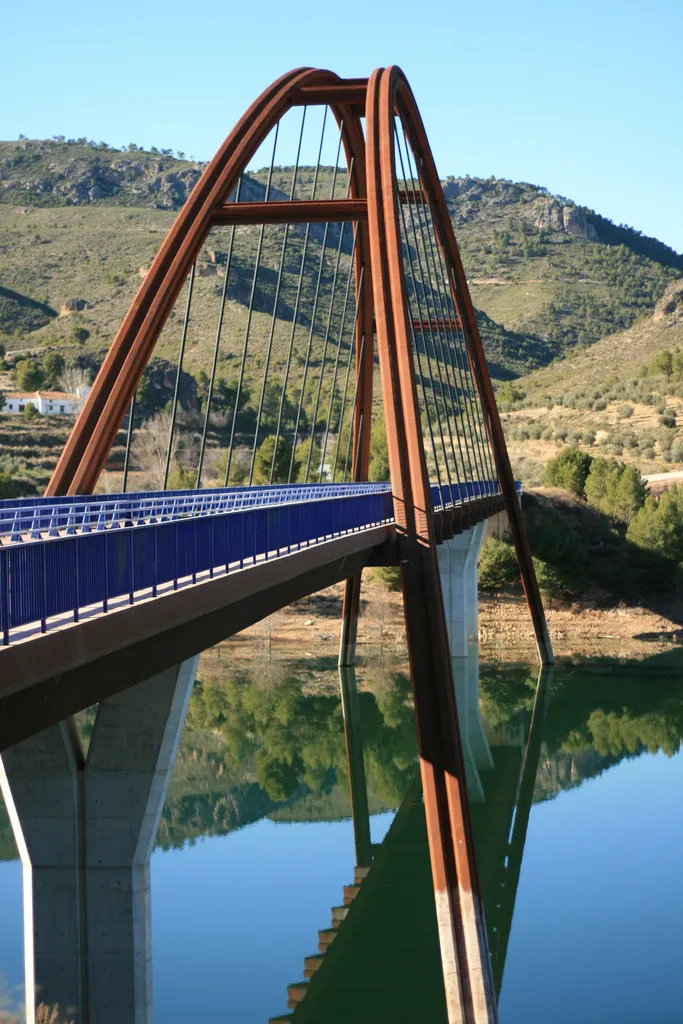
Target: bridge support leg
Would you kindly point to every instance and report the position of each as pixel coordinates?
(40, 781)
(358, 789)
(458, 559)
(85, 828)
(349, 622)
(127, 772)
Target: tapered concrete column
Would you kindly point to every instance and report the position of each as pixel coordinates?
(458, 559)
(127, 772)
(40, 785)
(85, 831)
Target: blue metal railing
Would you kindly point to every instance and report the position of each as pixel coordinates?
(60, 556)
(98, 550)
(37, 518)
(451, 496)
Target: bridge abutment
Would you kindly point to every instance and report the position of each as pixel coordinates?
(85, 828)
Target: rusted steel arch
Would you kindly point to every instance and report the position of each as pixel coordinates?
(95, 430)
(468, 980)
(406, 107)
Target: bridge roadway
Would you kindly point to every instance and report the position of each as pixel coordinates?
(98, 593)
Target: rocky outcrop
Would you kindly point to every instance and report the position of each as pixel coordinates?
(72, 306)
(553, 216)
(671, 303)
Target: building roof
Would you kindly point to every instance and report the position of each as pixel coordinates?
(51, 396)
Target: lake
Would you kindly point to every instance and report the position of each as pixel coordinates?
(577, 807)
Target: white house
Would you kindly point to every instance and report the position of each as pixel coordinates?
(48, 403)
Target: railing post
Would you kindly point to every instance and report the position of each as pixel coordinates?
(4, 584)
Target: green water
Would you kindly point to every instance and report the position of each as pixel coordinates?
(578, 822)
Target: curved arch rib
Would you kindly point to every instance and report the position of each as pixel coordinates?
(95, 430)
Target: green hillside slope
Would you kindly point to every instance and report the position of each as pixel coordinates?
(81, 222)
(622, 396)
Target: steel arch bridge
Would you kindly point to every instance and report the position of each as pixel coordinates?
(355, 315)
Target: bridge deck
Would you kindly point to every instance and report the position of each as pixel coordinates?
(97, 594)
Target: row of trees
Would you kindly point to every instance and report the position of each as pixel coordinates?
(612, 487)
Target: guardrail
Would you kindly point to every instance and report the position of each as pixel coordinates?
(39, 518)
(90, 567)
(62, 556)
(454, 495)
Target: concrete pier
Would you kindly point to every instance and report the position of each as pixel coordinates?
(85, 828)
(458, 558)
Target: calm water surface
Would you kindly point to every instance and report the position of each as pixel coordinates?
(578, 827)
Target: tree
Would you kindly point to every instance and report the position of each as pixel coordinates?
(28, 375)
(53, 367)
(569, 470)
(497, 564)
(30, 412)
(151, 446)
(73, 380)
(264, 461)
(658, 525)
(301, 461)
(379, 452)
(615, 489)
(9, 487)
(80, 334)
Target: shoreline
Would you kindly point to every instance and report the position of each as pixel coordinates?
(505, 632)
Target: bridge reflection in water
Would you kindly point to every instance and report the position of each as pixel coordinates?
(85, 824)
(298, 754)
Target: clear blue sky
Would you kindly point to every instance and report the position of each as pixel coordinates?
(585, 97)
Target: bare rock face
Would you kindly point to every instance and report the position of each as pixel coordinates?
(575, 223)
(671, 303)
(552, 215)
(549, 216)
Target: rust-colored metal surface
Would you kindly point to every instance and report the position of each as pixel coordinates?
(291, 212)
(354, 143)
(431, 185)
(96, 428)
(469, 987)
(375, 203)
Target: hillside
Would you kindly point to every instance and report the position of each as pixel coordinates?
(622, 396)
(81, 222)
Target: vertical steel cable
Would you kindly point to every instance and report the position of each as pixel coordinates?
(221, 314)
(429, 315)
(436, 292)
(250, 313)
(129, 439)
(276, 301)
(359, 366)
(359, 363)
(474, 402)
(297, 304)
(406, 244)
(339, 345)
(475, 459)
(314, 313)
(448, 405)
(177, 379)
(481, 452)
(472, 409)
(328, 327)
